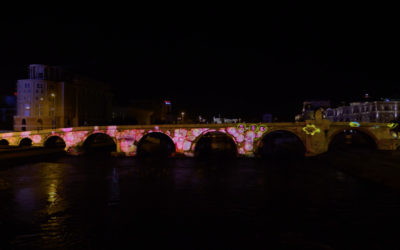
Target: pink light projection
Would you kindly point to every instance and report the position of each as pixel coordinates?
(128, 147)
(12, 140)
(7, 135)
(246, 136)
(36, 138)
(111, 131)
(127, 140)
(74, 138)
(66, 130)
(25, 134)
(184, 139)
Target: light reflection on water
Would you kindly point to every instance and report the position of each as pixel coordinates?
(99, 202)
(52, 192)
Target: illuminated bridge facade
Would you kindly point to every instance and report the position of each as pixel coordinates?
(315, 136)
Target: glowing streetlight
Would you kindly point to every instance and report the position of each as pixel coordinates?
(54, 109)
(183, 115)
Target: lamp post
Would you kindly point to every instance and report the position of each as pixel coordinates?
(53, 96)
(183, 116)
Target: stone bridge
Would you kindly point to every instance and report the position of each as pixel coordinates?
(315, 135)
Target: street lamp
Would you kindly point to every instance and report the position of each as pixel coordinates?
(183, 115)
(54, 110)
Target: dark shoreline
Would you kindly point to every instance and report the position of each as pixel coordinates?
(20, 155)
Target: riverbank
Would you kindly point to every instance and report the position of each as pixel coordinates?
(19, 155)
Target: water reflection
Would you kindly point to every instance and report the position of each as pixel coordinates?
(114, 188)
(51, 176)
(52, 192)
(104, 203)
(25, 199)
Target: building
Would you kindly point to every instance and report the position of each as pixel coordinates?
(384, 110)
(220, 120)
(144, 112)
(52, 97)
(309, 108)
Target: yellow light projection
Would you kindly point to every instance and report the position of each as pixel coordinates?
(311, 129)
(392, 125)
(354, 124)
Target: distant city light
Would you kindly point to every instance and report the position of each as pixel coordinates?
(167, 102)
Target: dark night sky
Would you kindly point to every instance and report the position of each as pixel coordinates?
(236, 61)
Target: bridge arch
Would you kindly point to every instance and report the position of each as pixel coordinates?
(4, 142)
(54, 141)
(352, 138)
(215, 143)
(99, 143)
(281, 143)
(25, 142)
(156, 144)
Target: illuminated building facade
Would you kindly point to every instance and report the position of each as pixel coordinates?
(373, 111)
(220, 120)
(52, 97)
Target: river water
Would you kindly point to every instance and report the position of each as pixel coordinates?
(97, 202)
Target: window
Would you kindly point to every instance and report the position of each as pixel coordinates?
(27, 85)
